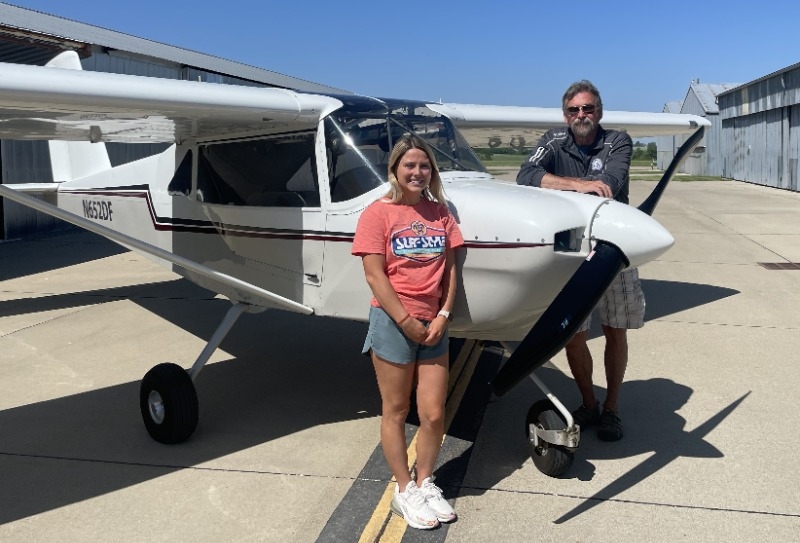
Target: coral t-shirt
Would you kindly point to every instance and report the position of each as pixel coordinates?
(413, 240)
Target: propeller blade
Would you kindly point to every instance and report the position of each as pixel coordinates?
(649, 205)
(564, 316)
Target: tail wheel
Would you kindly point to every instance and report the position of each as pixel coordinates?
(168, 402)
(550, 459)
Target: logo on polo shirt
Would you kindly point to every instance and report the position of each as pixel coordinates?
(419, 242)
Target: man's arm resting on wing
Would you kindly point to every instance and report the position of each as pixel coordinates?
(534, 172)
(537, 164)
(586, 186)
(534, 175)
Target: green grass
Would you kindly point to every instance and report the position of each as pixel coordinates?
(641, 170)
(680, 177)
(504, 161)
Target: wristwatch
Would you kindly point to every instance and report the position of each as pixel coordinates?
(446, 314)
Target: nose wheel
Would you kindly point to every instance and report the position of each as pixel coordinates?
(549, 439)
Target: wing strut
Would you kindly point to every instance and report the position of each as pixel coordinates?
(247, 290)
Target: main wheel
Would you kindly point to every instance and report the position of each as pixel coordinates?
(550, 459)
(168, 402)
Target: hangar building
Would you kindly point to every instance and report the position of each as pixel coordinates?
(760, 139)
(700, 100)
(754, 134)
(31, 37)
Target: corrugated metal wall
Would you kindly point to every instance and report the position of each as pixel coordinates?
(760, 142)
(756, 148)
(665, 146)
(25, 162)
(697, 163)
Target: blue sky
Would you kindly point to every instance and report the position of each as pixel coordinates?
(639, 54)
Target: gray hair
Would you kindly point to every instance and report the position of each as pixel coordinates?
(583, 85)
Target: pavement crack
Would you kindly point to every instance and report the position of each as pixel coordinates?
(709, 508)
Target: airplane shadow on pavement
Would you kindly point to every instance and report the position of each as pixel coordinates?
(53, 251)
(650, 414)
(287, 373)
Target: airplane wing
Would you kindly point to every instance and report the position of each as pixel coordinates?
(496, 126)
(62, 102)
(65, 103)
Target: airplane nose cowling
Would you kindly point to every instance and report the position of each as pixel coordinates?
(640, 237)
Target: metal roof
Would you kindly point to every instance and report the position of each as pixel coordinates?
(706, 94)
(764, 78)
(20, 27)
(673, 106)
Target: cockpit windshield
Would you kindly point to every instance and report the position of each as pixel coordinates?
(359, 141)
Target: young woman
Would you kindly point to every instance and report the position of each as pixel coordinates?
(407, 241)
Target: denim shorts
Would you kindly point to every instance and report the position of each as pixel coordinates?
(389, 342)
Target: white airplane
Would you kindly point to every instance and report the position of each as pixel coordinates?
(258, 195)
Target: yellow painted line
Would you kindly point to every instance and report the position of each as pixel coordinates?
(384, 526)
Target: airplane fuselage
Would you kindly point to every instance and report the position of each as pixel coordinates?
(282, 228)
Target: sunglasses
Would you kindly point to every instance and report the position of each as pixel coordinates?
(586, 108)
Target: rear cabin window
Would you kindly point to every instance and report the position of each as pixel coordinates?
(278, 171)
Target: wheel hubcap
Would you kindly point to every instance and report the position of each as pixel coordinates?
(156, 406)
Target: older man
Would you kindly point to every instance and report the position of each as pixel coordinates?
(585, 157)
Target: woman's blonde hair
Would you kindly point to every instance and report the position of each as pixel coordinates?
(435, 191)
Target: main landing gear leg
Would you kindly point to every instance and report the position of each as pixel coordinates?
(167, 397)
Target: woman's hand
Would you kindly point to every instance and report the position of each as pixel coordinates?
(435, 330)
(415, 330)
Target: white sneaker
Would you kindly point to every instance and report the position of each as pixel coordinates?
(412, 507)
(433, 497)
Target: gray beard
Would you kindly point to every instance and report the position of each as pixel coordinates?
(582, 128)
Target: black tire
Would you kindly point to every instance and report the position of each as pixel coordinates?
(552, 460)
(168, 402)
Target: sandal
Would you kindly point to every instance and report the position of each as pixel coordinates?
(610, 426)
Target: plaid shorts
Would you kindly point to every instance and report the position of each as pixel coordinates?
(622, 305)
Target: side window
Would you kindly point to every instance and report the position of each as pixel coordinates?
(358, 155)
(278, 171)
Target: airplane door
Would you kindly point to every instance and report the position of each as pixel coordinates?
(261, 196)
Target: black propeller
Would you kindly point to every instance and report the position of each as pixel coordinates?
(564, 316)
(683, 153)
(579, 296)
